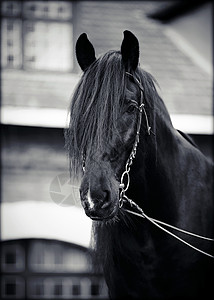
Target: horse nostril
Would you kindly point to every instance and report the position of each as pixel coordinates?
(105, 205)
(106, 200)
(94, 201)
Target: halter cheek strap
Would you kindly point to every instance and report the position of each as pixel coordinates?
(141, 108)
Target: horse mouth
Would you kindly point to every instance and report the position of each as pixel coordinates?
(109, 217)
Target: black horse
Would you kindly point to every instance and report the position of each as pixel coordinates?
(122, 145)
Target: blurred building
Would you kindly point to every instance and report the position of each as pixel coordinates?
(38, 57)
(40, 210)
(47, 257)
(48, 269)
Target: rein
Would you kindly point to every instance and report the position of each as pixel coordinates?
(123, 199)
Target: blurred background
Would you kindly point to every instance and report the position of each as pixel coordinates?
(45, 235)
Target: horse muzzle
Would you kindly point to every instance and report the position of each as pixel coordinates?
(99, 205)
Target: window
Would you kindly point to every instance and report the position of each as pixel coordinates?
(39, 289)
(36, 288)
(37, 35)
(12, 287)
(45, 257)
(51, 287)
(58, 289)
(98, 288)
(76, 261)
(11, 43)
(76, 290)
(40, 257)
(58, 256)
(12, 258)
(95, 289)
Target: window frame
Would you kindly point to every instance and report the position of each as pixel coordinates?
(19, 254)
(23, 18)
(19, 284)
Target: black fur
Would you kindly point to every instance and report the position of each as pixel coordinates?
(85, 52)
(170, 179)
(130, 51)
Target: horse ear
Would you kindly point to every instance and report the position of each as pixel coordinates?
(84, 52)
(130, 50)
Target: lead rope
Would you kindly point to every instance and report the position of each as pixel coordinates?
(124, 187)
(157, 222)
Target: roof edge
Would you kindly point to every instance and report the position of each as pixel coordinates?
(178, 8)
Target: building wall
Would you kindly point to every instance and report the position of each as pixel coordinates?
(32, 157)
(48, 269)
(183, 84)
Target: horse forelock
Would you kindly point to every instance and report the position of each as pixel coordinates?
(95, 108)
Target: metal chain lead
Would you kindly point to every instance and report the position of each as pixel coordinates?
(83, 162)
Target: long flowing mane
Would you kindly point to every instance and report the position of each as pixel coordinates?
(96, 107)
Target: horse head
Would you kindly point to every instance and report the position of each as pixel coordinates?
(104, 122)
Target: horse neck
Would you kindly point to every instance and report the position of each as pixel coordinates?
(165, 177)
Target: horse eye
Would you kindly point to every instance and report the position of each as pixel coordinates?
(131, 109)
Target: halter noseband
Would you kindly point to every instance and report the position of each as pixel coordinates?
(141, 107)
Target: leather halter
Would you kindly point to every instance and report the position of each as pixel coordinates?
(141, 107)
